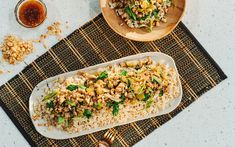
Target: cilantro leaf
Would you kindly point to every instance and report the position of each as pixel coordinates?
(50, 104)
(123, 73)
(115, 109)
(156, 80)
(102, 76)
(87, 113)
(146, 97)
(123, 98)
(72, 87)
(161, 93)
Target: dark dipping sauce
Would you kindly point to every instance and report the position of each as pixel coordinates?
(32, 13)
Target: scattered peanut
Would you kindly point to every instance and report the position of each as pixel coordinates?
(52, 30)
(14, 49)
(55, 30)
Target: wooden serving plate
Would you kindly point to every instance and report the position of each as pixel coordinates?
(173, 18)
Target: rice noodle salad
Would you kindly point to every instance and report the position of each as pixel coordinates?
(142, 13)
(114, 94)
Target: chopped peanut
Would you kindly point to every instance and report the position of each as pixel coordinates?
(15, 49)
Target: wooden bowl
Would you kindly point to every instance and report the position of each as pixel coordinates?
(173, 18)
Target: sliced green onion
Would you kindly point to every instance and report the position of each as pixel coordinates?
(149, 103)
(155, 13)
(82, 87)
(123, 98)
(156, 80)
(50, 96)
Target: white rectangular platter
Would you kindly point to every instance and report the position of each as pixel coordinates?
(58, 134)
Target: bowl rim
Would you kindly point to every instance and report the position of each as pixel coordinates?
(144, 39)
(17, 8)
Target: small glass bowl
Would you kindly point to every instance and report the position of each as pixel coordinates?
(17, 9)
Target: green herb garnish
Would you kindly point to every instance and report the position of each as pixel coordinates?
(115, 109)
(115, 105)
(102, 76)
(161, 93)
(50, 104)
(87, 113)
(61, 120)
(123, 73)
(109, 104)
(150, 90)
(50, 96)
(156, 80)
(71, 103)
(155, 13)
(130, 13)
(72, 87)
(149, 103)
(123, 98)
(146, 97)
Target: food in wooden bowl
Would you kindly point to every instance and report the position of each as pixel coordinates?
(106, 95)
(142, 20)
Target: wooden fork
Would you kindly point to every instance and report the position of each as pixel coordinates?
(108, 139)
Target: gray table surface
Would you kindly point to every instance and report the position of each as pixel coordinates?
(210, 121)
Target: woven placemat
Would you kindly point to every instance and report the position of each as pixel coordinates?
(95, 43)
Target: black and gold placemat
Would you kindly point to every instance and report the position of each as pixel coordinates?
(95, 43)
